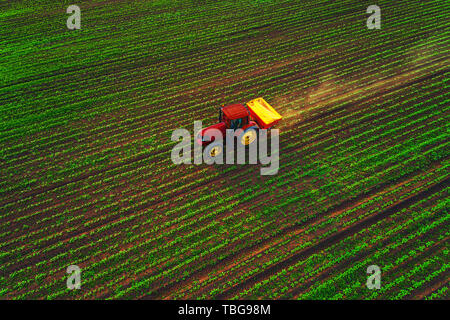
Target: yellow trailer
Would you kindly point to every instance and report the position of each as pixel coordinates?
(263, 113)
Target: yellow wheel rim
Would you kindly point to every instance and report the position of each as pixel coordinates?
(215, 151)
(248, 137)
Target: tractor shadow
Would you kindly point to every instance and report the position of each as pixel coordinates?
(237, 161)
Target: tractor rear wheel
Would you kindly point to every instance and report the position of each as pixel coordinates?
(248, 136)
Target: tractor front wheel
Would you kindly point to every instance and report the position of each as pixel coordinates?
(248, 136)
(213, 150)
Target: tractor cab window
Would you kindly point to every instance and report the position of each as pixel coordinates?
(235, 124)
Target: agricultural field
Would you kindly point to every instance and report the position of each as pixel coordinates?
(87, 177)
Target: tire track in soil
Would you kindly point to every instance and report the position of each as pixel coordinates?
(421, 257)
(433, 286)
(227, 294)
(165, 290)
(244, 251)
(334, 213)
(343, 265)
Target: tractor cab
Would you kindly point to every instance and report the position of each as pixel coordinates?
(234, 116)
(244, 121)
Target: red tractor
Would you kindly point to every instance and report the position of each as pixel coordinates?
(244, 120)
